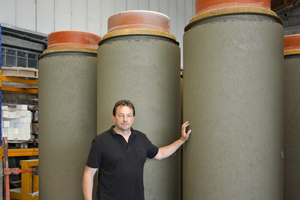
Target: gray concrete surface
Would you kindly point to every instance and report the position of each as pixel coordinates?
(67, 122)
(233, 98)
(292, 127)
(145, 70)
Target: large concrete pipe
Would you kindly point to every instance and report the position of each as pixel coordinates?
(291, 117)
(67, 103)
(233, 98)
(139, 60)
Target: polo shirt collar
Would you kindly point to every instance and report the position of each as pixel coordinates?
(113, 132)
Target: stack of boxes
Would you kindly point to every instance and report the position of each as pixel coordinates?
(16, 123)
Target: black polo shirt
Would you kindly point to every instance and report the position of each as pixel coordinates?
(120, 164)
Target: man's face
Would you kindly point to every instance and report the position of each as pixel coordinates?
(124, 118)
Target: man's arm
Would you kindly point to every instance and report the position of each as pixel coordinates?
(166, 151)
(88, 182)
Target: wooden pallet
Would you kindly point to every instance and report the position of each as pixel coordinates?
(20, 72)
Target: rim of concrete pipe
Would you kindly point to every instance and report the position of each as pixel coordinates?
(71, 40)
(292, 44)
(233, 11)
(206, 5)
(138, 22)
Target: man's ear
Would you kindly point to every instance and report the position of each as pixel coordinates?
(113, 118)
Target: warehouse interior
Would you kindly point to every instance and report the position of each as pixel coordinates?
(57, 94)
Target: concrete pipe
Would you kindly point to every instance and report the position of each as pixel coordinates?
(291, 116)
(233, 98)
(67, 104)
(139, 60)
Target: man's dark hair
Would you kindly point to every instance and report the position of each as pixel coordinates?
(124, 103)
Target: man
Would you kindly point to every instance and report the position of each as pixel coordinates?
(120, 154)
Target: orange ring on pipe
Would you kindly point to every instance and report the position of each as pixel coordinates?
(234, 10)
(206, 5)
(292, 44)
(72, 41)
(133, 19)
(139, 22)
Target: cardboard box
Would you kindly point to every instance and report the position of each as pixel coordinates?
(22, 125)
(4, 132)
(5, 124)
(25, 113)
(4, 107)
(11, 114)
(22, 107)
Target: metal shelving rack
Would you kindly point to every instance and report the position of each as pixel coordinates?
(20, 48)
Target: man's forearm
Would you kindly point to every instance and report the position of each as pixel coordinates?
(167, 151)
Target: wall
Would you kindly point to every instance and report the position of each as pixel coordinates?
(291, 18)
(47, 16)
(275, 4)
